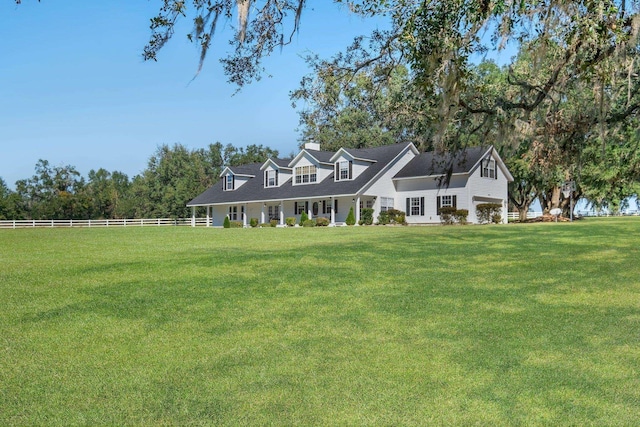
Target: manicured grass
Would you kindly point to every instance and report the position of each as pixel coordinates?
(493, 325)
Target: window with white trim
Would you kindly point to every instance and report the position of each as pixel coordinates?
(446, 202)
(343, 170)
(306, 174)
(415, 206)
(229, 182)
(326, 207)
(271, 178)
(367, 203)
(489, 169)
(233, 213)
(274, 212)
(301, 207)
(386, 203)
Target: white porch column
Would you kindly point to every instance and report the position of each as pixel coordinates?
(193, 216)
(357, 210)
(281, 212)
(333, 212)
(310, 210)
(262, 214)
(208, 216)
(244, 216)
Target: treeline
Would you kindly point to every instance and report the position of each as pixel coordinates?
(174, 175)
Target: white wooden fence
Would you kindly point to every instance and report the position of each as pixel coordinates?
(102, 222)
(530, 215)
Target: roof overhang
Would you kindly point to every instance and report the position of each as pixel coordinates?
(274, 164)
(342, 151)
(288, 199)
(227, 169)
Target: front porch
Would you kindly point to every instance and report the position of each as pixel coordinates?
(335, 209)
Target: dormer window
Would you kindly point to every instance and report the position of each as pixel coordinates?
(306, 174)
(344, 170)
(229, 182)
(271, 178)
(489, 169)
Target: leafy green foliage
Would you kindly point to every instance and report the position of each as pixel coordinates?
(303, 217)
(253, 222)
(174, 175)
(461, 215)
(226, 223)
(392, 216)
(308, 223)
(366, 216)
(351, 218)
(489, 212)
(447, 215)
(322, 221)
(290, 221)
(10, 203)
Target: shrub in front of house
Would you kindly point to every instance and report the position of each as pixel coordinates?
(383, 218)
(392, 216)
(226, 223)
(236, 224)
(309, 223)
(273, 222)
(489, 212)
(265, 225)
(253, 222)
(397, 216)
(461, 216)
(303, 217)
(351, 218)
(447, 215)
(290, 221)
(366, 216)
(322, 221)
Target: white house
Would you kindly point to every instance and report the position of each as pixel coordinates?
(327, 184)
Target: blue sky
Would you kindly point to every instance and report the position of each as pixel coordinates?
(74, 89)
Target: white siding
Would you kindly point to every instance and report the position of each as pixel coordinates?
(485, 190)
(240, 181)
(384, 186)
(283, 175)
(358, 166)
(306, 160)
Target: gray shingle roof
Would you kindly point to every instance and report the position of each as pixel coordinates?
(254, 188)
(322, 156)
(434, 163)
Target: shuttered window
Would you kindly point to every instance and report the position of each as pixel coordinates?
(271, 178)
(229, 182)
(344, 170)
(489, 169)
(445, 202)
(415, 206)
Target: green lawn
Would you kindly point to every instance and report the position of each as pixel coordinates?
(492, 325)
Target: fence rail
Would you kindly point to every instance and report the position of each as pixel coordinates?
(530, 215)
(130, 222)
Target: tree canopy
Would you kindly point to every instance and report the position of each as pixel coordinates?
(564, 107)
(174, 175)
